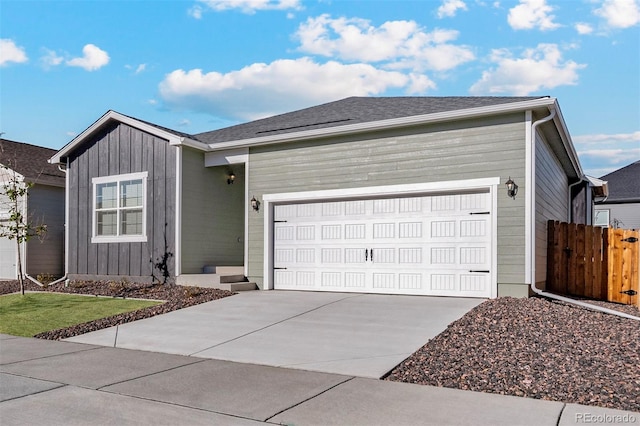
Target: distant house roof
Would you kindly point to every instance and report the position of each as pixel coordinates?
(624, 184)
(30, 161)
(353, 110)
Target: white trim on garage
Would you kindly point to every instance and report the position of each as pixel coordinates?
(270, 200)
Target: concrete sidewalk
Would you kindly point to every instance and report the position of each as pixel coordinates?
(65, 383)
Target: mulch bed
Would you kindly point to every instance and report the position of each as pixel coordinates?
(535, 348)
(174, 297)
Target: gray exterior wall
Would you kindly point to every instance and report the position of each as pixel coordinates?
(212, 214)
(120, 149)
(628, 214)
(552, 192)
(46, 206)
(441, 152)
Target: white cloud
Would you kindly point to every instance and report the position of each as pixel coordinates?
(539, 68)
(92, 59)
(603, 153)
(583, 28)
(531, 14)
(260, 90)
(396, 44)
(10, 52)
(449, 8)
(50, 59)
(620, 13)
(246, 6)
(601, 138)
(195, 11)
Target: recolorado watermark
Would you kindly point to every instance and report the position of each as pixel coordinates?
(589, 418)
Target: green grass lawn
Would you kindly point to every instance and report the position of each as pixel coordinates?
(35, 313)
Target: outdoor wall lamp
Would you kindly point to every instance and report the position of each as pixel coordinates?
(231, 178)
(255, 204)
(512, 188)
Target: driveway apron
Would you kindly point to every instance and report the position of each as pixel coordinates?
(362, 335)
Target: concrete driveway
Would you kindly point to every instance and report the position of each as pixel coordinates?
(361, 335)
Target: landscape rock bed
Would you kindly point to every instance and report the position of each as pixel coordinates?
(535, 348)
(174, 297)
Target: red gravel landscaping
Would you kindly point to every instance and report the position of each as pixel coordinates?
(535, 348)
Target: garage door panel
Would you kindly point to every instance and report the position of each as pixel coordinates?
(433, 245)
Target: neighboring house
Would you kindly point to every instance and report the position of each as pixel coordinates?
(377, 195)
(44, 205)
(621, 209)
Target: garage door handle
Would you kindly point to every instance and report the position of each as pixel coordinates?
(486, 271)
(279, 268)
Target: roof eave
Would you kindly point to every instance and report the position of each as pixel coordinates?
(110, 116)
(385, 124)
(569, 148)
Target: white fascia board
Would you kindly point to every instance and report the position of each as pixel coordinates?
(566, 140)
(116, 116)
(386, 124)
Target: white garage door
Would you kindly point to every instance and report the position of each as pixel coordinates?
(426, 245)
(7, 259)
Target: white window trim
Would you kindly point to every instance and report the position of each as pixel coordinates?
(120, 238)
(608, 213)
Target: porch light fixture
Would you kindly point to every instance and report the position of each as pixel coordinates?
(255, 204)
(231, 178)
(512, 188)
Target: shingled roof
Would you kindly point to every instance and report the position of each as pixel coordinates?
(31, 162)
(624, 184)
(351, 110)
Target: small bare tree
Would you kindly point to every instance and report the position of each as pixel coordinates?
(17, 226)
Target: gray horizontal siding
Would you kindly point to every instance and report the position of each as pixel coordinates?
(120, 149)
(212, 214)
(442, 152)
(627, 214)
(552, 192)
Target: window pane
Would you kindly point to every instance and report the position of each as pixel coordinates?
(131, 222)
(106, 195)
(602, 218)
(106, 223)
(131, 193)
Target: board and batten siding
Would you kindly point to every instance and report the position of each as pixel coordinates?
(46, 206)
(120, 149)
(212, 214)
(552, 194)
(467, 149)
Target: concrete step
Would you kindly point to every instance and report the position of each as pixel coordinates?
(225, 270)
(223, 282)
(243, 286)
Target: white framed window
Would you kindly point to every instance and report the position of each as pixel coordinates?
(119, 208)
(602, 218)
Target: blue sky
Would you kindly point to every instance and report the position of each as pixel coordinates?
(198, 65)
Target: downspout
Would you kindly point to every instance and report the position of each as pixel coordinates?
(532, 207)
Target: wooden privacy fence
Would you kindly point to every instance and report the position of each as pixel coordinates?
(593, 262)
